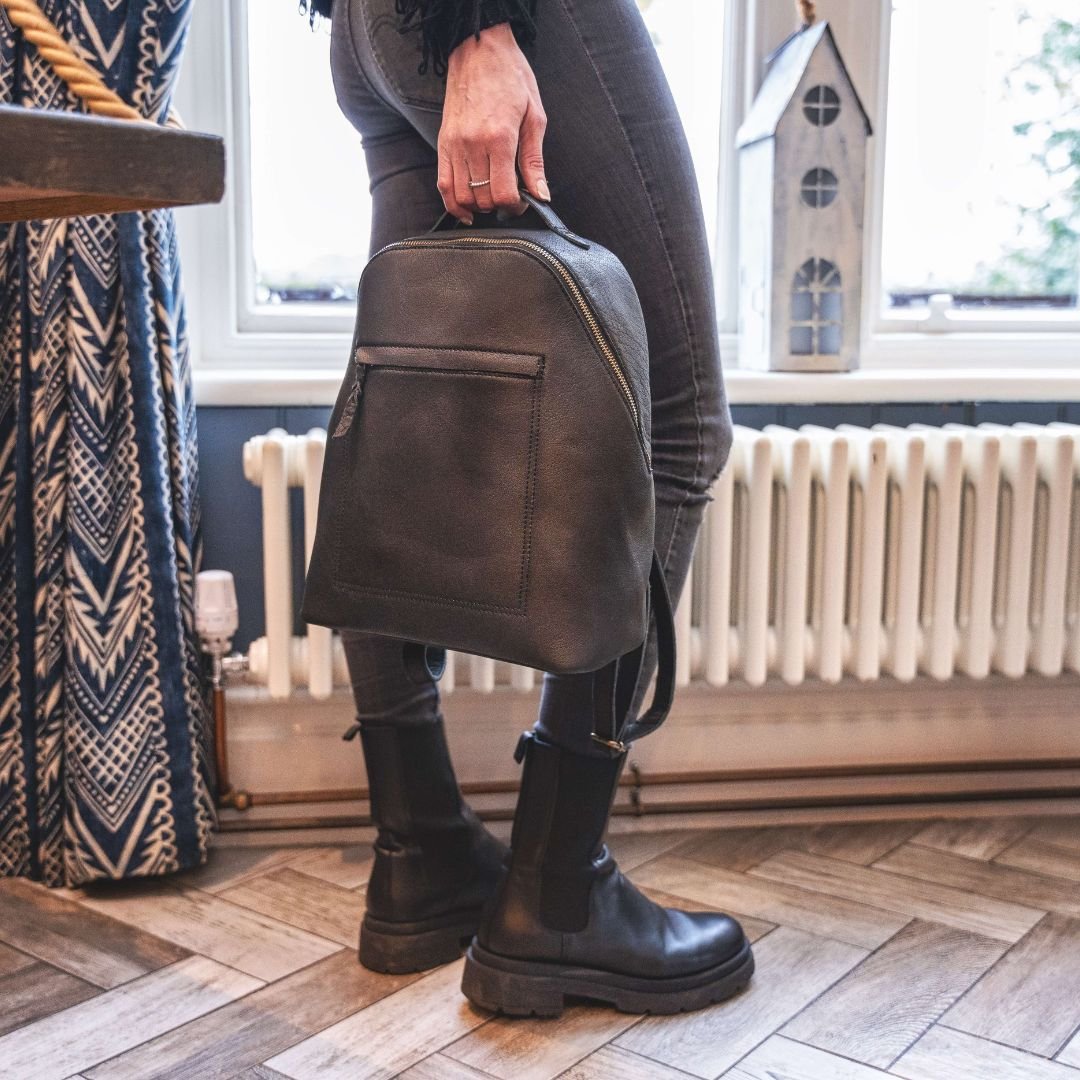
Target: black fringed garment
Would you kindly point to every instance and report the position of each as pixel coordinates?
(444, 24)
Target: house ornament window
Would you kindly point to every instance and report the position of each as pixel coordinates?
(819, 187)
(816, 309)
(821, 105)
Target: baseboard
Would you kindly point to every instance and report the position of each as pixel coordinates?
(775, 748)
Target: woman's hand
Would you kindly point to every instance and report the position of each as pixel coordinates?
(492, 117)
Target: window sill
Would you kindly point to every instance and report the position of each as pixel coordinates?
(319, 386)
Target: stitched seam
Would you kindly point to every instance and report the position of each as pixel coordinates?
(406, 369)
(347, 17)
(451, 349)
(369, 590)
(664, 247)
(385, 68)
(530, 490)
(447, 348)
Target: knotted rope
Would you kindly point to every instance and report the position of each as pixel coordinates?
(83, 81)
(807, 11)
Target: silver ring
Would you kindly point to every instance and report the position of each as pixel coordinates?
(479, 183)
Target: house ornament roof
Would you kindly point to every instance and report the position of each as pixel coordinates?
(787, 65)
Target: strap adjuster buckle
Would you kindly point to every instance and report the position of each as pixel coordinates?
(616, 746)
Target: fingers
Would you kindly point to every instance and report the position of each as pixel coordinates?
(447, 185)
(531, 152)
(495, 156)
(478, 167)
(504, 181)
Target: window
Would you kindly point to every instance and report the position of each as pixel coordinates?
(972, 194)
(982, 161)
(306, 165)
(821, 105)
(816, 309)
(306, 158)
(819, 188)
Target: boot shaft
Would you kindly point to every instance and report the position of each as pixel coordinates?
(559, 826)
(413, 790)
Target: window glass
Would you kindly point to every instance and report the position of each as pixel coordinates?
(982, 154)
(310, 209)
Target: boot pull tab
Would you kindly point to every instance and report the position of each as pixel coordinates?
(352, 732)
(523, 741)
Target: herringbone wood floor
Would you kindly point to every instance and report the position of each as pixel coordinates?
(940, 950)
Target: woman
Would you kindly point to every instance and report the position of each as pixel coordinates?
(450, 124)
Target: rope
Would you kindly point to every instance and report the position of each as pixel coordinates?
(83, 81)
(806, 10)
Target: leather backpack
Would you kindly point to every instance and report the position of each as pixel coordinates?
(487, 484)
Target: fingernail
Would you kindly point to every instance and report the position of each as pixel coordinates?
(468, 220)
(541, 186)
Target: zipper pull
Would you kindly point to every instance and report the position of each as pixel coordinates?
(351, 403)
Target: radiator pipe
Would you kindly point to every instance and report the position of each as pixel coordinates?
(216, 620)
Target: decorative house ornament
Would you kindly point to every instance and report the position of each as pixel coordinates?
(802, 182)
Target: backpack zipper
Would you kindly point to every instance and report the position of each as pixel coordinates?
(567, 278)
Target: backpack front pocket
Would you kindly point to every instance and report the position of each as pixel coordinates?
(440, 449)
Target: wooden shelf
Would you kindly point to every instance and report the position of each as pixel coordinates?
(61, 164)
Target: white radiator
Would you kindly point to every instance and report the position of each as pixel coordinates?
(826, 553)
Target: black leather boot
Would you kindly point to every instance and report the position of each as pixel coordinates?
(565, 922)
(435, 863)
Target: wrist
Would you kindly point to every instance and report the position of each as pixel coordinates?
(492, 39)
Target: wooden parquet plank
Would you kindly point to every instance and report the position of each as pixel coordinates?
(903, 895)
(943, 1054)
(880, 1008)
(775, 902)
(778, 1058)
(206, 924)
(975, 838)
(228, 866)
(300, 900)
(84, 943)
(985, 878)
(1060, 831)
(348, 865)
(793, 968)
(375, 1043)
(1070, 1052)
(858, 842)
(1042, 858)
(538, 1049)
(37, 990)
(633, 849)
(739, 849)
(615, 1063)
(258, 1026)
(1030, 998)
(440, 1067)
(12, 960)
(78, 1037)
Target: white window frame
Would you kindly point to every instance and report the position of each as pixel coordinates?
(248, 354)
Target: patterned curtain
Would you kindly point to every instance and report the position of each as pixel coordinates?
(104, 725)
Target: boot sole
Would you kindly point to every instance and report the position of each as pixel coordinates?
(401, 948)
(536, 988)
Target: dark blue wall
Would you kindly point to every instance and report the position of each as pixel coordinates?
(231, 506)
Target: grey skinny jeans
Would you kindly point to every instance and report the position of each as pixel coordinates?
(620, 173)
